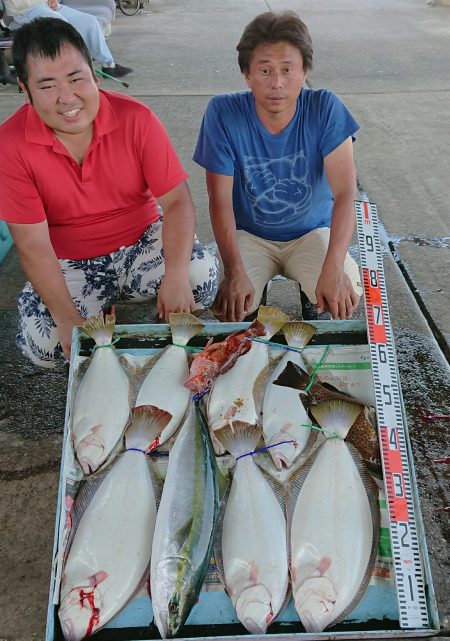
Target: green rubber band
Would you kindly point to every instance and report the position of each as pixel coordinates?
(320, 429)
(316, 367)
(111, 344)
(191, 349)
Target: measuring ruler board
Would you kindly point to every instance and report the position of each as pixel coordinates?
(391, 425)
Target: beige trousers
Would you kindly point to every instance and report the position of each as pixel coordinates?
(300, 259)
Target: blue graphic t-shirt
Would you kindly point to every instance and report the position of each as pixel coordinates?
(280, 190)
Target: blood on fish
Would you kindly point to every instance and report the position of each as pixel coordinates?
(269, 616)
(324, 564)
(254, 573)
(154, 445)
(95, 612)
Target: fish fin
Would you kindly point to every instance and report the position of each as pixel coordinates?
(336, 416)
(180, 535)
(100, 328)
(184, 327)
(221, 480)
(293, 376)
(260, 386)
(146, 425)
(217, 546)
(238, 437)
(273, 319)
(156, 478)
(372, 496)
(298, 333)
(277, 487)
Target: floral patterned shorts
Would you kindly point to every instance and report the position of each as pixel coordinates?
(129, 274)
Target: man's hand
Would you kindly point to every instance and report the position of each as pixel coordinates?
(64, 330)
(234, 298)
(53, 4)
(335, 293)
(174, 295)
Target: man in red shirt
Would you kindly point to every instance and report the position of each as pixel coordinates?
(83, 172)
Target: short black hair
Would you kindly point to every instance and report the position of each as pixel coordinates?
(44, 38)
(271, 28)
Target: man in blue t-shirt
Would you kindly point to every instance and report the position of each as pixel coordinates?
(281, 177)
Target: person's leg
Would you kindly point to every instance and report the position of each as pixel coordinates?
(261, 262)
(303, 260)
(93, 286)
(143, 269)
(89, 27)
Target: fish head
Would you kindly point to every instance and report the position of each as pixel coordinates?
(91, 450)
(177, 593)
(315, 602)
(254, 608)
(80, 613)
(202, 374)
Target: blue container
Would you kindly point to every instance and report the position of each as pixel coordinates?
(6, 240)
(213, 617)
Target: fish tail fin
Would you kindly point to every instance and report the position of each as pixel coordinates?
(336, 415)
(100, 328)
(298, 333)
(272, 318)
(238, 437)
(146, 425)
(184, 327)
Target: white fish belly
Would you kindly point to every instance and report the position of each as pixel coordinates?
(101, 408)
(331, 537)
(232, 395)
(254, 547)
(164, 387)
(112, 543)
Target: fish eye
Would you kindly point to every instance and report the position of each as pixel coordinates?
(172, 607)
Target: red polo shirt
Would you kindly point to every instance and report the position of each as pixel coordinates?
(106, 203)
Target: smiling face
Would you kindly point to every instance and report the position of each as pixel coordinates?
(275, 77)
(63, 92)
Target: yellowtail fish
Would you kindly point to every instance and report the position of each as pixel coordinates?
(232, 396)
(334, 523)
(185, 525)
(110, 551)
(164, 386)
(251, 544)
(285, 419)
(102, 407)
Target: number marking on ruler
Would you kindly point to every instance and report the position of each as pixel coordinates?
(404, 539)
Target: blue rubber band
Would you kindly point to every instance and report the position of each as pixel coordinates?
(262, 449)
(198, 396)
(134, 449)
(288, 348)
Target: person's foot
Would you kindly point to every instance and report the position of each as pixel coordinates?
(309, 310)
(118, 71)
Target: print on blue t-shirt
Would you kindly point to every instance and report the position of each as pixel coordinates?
(280, 190)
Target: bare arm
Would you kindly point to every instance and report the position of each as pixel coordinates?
(236, 292)
(334, 289)
(42, 269)
(175, 293)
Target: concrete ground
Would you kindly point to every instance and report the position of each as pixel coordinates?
(390, 63)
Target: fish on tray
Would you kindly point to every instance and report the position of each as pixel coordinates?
(163, 386)
(218, 358)
(250, 550)
(238, 394)
(101, 409)
(284, 416)
(330, 499)
(185, 525)
(109, 554)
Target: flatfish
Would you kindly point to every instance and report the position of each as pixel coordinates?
(164, 386)
(333, 524)
(251, 549)
(285, 419)
(101, 408)
(110, 551)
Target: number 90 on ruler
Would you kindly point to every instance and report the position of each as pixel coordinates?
(391, 425)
